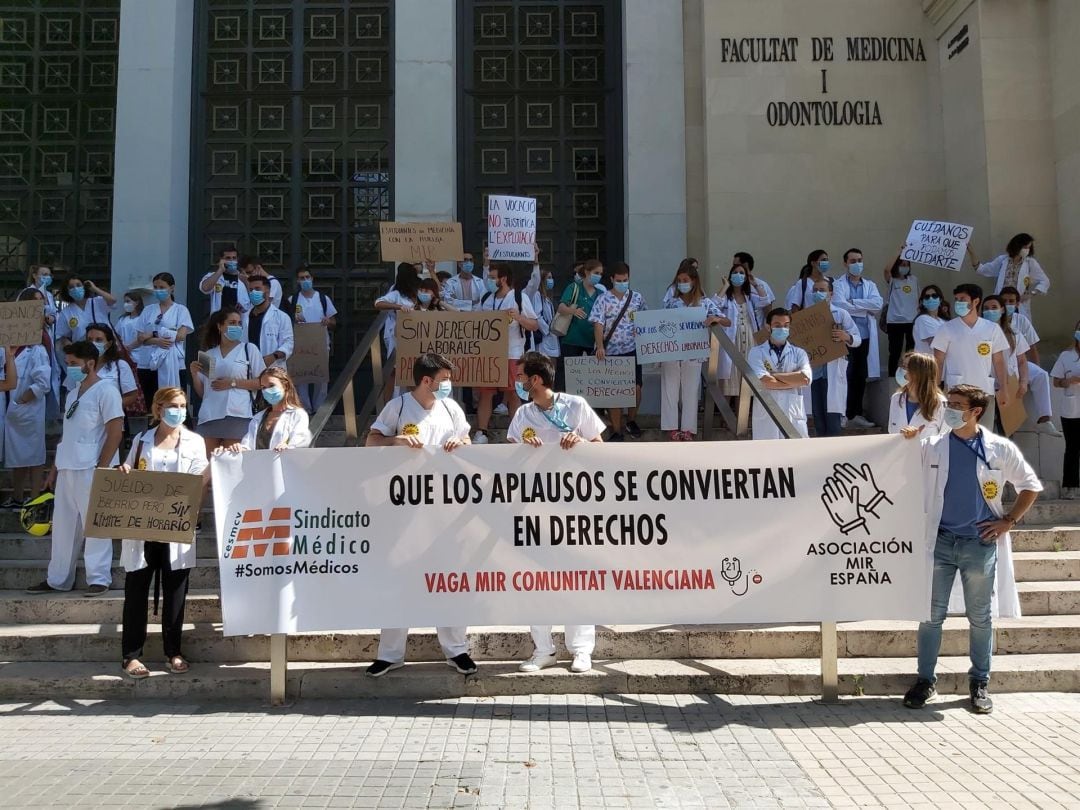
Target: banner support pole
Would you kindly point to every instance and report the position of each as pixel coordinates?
(830, 679)
(279, 665)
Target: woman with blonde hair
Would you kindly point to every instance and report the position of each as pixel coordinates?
(166, 447)
(919, 404)
(284, 424)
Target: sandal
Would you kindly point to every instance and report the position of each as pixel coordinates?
(135, 669)
(177, 665)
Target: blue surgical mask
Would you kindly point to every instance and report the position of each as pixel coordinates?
(46, 281)
(230, 266)
(77, 293)
(173, 417)
(76, 374)
(467, 267)
(684, 287)
(306, 284)
(594, 278)
(992, 315)
(1010, 308)
(1076, 334)
(273, 395)
(621, 286)
(523, 395)
(129, 307)
(424, 298)
(931, 304)
(234, 332)
(855, 268)
(738, 279)
(161, 295)
(100, 345)
(444, 390)
(819, 296)
(962, 308)
(491, 284)
(257, 297)
(901, 377)
(780, 333)
(954, 419)
(824, 265)
(549, 283)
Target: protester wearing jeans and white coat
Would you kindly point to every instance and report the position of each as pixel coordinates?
(860, 297)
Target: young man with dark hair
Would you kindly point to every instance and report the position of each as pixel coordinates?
(968, 528)
(427, 416)
(566, 420)
(310, 305)
(784, 369)
(860, 297)
(93, 430)
(612, 318)
(464, 291)
(266, 326)
(250, 267)
(224, 284)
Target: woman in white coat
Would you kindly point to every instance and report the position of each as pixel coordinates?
(933, 311)
(9, 378)
(740, 320)
(282, 426)
(24, 428)
(163, 327)
(1016, 267)
(917, 377)
(168, 447)
(41, 278)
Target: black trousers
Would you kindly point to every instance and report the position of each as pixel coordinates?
(568, 350)
(1070, 473)
(901, 339)
(856, 378)
(137, 584)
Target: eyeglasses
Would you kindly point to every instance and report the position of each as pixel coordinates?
(71, 411)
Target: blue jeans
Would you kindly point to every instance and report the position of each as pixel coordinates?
(825, 423)
(977, 563)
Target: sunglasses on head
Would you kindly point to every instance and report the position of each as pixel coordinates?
(71, 411)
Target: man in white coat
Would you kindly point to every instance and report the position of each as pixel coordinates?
(968, 532)
(784, 369)
(860, 297)
(829, 385)
(93, 430)
(464, 291)
(266, 325)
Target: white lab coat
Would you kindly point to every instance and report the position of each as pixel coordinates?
(276, 334)
(836, 370)
(1006, 465)
(898, 416)
(729, 308)
(763, 361)
(453, 293)
(291, 429)
(24, 431)
(870, 306)
(189, 457)
(1031, 279)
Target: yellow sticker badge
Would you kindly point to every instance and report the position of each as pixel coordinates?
(410, 430)
(1027, 282)
(768, 367)
(984, 349)
(142, 464)
(907, 289)
(528, 433)
(73, 322)
(990, 490)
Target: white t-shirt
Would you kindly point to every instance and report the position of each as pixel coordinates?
(72, 321)
(1021, 348)
(243, 363)
(121, 368)
(507, 303)
(393, 297)
(310, 310)
(405, 416)
(84, 429)
(127, 332)
(1068, 367)
(903, 299)
(1023, 326)
(171, 320)
(568, 411)
(969, 351)
(924, 330)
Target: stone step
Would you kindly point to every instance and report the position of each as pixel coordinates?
(21, 546)
(30, 680)
(1044, 538)
(1042, 566)
(878, 639)
(1049, 598)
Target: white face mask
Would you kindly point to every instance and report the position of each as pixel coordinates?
(1025, 252)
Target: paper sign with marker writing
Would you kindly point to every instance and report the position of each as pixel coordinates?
(511, 228)
(937, 244)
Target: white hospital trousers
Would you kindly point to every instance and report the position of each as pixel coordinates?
(679, 380)
(453, 640)
(580, 638)
(69, 516)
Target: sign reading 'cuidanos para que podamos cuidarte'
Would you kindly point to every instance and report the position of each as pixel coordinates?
(785, 531)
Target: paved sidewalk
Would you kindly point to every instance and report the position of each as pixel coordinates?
(543, 752)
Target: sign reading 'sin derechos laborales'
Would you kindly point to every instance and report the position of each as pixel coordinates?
(769, 531)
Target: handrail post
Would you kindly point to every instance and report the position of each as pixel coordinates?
(348, 405)
(830, 675)
(279, 666)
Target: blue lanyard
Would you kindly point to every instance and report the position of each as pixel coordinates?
(975, 447)
(554, 418)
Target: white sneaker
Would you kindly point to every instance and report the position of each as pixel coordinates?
(1049, 428)
(479, 437)
(843, 422)
(582, 663)
(860, 422)
(501, 410)
(538, 662)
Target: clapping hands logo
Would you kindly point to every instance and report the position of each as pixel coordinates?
(668, 329)
(850, 494)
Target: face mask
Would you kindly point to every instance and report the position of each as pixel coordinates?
(905, 269)
(738, 279)
(77, 293)
(1076, 334)
(550, 283)
(46, 281)
(954, 419)
(273, 395)
(306, 284)
(173, 417)
(129, 307)
(594, 278)
(1010, 308)
(100, 346)
(76, 374)
(962, 308)
(467, 267)
(491, 284)
(685, 287)
(235, 332)
(992, 315)
(931, 304)
(780, 333)
(820, 295)
(161, 295)
(424, 298)
(230, 266)
(855, 268)
(523, 395)
(621, 286)
(1025, 252)
(824, 265)
(901, 377)
(444, 390)
(257, 297)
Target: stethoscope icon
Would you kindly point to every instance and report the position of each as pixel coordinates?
(731, 571)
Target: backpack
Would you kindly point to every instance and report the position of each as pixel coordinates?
(532, 338)
(292, 305)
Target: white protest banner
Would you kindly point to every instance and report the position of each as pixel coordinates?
(333, 539)
(937, 244)
(671, 334)
(511, 228)
(607, 383)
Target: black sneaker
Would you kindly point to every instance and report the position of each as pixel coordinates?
(42, 587)
(633, 430)
(463, 664)
(380, 668)
(615, 437)
(11, 503)
(980, 700)
(920, 694)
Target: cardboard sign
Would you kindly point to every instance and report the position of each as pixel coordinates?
(1014, 414)
(607, 383)
(477, 343)
(310, 360)
(671, 334)
(511, 228)
(937, 244)
(811, 330)
(142, 505)
(420, 241)
(21, 323)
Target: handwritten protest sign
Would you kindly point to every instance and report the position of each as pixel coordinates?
(937, 244)
(1014, 414)
(420, 241)
(511, 228)
(671, 334)
(143, 505)
(209, 366)
(21, 322)
(607, 383)
(811, 330)
(310, 360)
(477, 343)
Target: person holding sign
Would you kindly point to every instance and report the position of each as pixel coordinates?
(282, 426)
(309, 305)
(1016, 267)
(784, 369)
(168, 447)
(919, 404)
(566, 420)
(1066, 375)
(612, 318)
(1039, 380)
(860, 297)
(901, 309)
(1016, 364)
(163, 327)
(933, 311)
(24, 426)
(829, 385)
(427, 416)
(93, 430)
(224, 285)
